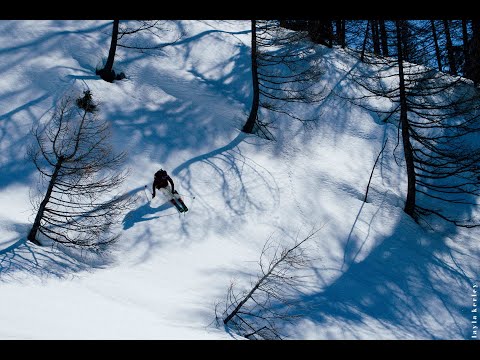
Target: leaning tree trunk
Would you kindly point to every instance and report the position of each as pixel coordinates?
(107, 72)
(32, 235)
(451, 56)
(364, 46)
(437, 48)
(407, 146)
(252, 118)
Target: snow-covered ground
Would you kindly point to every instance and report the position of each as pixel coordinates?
(377, 274)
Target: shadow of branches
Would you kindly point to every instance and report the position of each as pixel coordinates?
(411, 285)
(23, 260)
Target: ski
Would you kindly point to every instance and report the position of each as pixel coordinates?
(178, 206)
(179, 200)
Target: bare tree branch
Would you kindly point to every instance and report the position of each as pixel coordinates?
(73, 154)
(252, 313)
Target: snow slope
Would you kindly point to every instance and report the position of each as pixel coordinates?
(377, 274)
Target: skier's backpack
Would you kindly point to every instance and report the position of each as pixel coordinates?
(161, 179)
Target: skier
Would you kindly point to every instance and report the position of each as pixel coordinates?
(161, 182)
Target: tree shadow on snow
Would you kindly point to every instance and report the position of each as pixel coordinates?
(36, 43)
(192, 118)
(388, 295)
(382, 292)
(23, 260)
(146, 213)
(22, 101)
(199, 115)
(52, 259)
(376, 290)
(225, 171)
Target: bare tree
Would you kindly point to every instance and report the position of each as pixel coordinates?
(253, 313)
(375, 37)
(450, 51)
(365, 40)
(404, 124)
(438, 54)
(384, 37)
(437, 117)
(285, 70)
(321, 32)
(107, 73)
(76, 161)
(466, 42)
(252, 118)
(152, 29)
(340, 32)
(473, 59)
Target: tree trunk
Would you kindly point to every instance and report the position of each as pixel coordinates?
(437, 48)
(473, 64)
(340, 28)
(252, 118)
(465, 46)
(107, 72)
(373, 169)
(375, 37)
(265, 276)
(321, 32)
(407, 51)
(407, 146)
(383, 37)
(329, 29)
(365, 42)
(451, 56)
(36, 224)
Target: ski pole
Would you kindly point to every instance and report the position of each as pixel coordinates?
(193, 197)
(145, 191)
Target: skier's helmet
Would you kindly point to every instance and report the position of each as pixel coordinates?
(161, 174)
